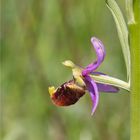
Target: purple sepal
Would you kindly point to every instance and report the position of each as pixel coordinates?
(107, 88)
(100, 52)
(93, 90)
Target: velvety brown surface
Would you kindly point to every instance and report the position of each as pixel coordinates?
(67, 94)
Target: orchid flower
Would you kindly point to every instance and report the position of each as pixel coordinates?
(70, 92)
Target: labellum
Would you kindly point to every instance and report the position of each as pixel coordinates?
(67, 94)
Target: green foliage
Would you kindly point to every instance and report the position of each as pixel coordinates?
(36, 37)
(122, 32)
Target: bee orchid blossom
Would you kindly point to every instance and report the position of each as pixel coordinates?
(70, 92)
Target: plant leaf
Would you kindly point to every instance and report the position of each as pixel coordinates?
(122, 32)
(129, 11)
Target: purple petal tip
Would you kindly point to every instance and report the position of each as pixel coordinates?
(100, 52)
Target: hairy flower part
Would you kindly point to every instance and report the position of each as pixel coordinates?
(70, 92)
(67, 94)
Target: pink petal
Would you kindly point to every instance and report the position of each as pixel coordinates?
(93, 90)
(100, 52)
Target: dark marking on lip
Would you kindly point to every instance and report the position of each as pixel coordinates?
(67, 94)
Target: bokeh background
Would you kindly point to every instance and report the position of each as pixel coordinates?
(37, 35)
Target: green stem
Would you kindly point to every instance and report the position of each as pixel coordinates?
(135, 76)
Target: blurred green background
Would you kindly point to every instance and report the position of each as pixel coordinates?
(37, 35)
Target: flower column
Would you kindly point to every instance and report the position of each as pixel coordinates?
(135, 76)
